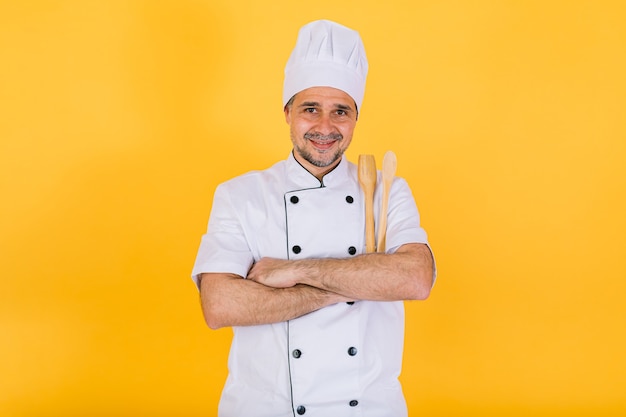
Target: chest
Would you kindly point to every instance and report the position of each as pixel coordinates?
(308, 223)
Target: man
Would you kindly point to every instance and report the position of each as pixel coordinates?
(318, 324)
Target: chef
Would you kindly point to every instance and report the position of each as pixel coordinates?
(318, 323)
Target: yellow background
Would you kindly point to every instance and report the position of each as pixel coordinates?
(119, 118)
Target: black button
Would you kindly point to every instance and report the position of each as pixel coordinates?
(351, 250)
(352, 351)
(349, 302)
(354, 403)
(301, 410)
(349, 199)
(296, 249)
(296, 353)
(294, 199)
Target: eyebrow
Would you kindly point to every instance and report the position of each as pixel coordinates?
(309, 104)
(343, 107)
(316, 104)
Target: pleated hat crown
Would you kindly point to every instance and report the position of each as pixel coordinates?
(327, 54)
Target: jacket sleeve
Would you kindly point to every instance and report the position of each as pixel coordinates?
(223, 248)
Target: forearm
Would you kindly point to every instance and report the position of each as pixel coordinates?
(229, 300)
(378, 277)
(404, 275)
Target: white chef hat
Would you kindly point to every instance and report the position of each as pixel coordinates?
(326, 54)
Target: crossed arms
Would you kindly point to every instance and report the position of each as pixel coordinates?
(278, 290)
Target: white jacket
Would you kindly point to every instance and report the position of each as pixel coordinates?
(342, 360)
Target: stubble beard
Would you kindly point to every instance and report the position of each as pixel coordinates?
(308, 156)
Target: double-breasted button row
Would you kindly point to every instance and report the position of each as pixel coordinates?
(297, 353)
(302, 409)
(297, 249)
(295, 199)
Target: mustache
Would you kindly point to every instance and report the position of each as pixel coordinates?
(321, 138)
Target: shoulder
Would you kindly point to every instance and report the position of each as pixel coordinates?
(256, 179)
(252, 177)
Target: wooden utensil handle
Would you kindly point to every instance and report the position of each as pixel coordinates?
(382, 224)
(370, 239)
(367, 180)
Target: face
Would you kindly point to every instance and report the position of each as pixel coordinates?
(321, 122)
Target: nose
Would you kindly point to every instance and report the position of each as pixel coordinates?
(325, 125)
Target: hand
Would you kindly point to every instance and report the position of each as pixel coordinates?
(280, 273)
(272, 272)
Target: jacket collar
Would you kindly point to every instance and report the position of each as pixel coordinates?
(301, 178)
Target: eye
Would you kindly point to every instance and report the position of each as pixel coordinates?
(310, 109)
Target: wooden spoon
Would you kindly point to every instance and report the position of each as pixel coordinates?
(390, 164)
(367, 179)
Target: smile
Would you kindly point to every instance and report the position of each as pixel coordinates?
(323, 142)
(322, 146)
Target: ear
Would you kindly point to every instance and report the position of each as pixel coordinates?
(287, 111)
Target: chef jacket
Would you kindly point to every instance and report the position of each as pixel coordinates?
(341, 360)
